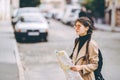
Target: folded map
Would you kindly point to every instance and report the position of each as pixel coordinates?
(65, 63)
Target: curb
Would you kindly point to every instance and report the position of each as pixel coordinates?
(19, 64)
(18, 60)
(15, 53)
(106, 28)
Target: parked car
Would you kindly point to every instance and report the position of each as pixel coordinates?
(14, 13)
(23, 10)
(74, 17)
(70, 14)
(30, 26)
(59, 16)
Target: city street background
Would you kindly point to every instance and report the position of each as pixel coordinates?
(35, 59)
(40, 61)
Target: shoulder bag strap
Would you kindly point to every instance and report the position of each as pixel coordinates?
(76, 41)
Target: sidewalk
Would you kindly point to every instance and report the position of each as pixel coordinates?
(105, 27)
(10, 66)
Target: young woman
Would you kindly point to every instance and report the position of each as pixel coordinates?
(85, 52)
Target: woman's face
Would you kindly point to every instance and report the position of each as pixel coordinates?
(80, 29)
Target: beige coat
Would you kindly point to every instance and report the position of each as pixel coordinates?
(87, 72)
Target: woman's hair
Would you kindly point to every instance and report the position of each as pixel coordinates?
(87, 22)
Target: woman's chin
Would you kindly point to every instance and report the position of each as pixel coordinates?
(77, 33)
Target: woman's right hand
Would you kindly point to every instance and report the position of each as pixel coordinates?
(76, 68)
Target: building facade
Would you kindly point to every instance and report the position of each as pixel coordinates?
(58, 5)
(6, 9)
(112, 5)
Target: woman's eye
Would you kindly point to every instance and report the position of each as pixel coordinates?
(78, 26)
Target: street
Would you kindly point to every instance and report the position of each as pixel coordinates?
(39, 59)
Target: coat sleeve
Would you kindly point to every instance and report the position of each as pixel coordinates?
(93, 59)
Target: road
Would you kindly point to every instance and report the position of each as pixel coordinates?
(40, 61)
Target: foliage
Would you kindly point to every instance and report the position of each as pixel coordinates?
(29, 3)
(96, 6)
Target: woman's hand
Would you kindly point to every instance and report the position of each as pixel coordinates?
(76, 68)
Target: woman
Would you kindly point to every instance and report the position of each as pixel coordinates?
(85, 52)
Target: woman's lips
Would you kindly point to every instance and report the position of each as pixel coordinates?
(77, 31)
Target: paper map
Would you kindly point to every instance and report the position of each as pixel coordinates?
(65, 63)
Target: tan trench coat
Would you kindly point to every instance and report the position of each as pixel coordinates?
(87, 72)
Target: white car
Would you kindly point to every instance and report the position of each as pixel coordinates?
(23, 10)
(59, 16)
(74, 17)
(70, 14)
(31, 26)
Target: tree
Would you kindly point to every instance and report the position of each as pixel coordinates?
(96, 6)
(29, 3)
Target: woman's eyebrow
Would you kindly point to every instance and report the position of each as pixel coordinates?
(78, 25)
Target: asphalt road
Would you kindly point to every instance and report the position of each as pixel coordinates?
(40, 61)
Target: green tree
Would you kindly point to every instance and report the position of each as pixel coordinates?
(96, 6)
(29, 3)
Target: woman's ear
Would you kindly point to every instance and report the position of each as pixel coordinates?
(87, 28)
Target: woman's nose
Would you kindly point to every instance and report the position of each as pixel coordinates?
(77, 28)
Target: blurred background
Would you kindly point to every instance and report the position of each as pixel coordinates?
(102, 12)
(32, 30)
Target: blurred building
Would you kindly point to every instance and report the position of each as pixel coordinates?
(112, 5)
(6, 9)
(57, 6)
(15, 4)
(53, 5)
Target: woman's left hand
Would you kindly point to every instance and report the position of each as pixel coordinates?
(76, 68)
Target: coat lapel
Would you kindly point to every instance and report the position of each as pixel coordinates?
(82, 51)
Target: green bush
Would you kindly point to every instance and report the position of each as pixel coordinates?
(29, 3)
(97, 7)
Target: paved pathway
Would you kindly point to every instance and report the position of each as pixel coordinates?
(9, 57)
